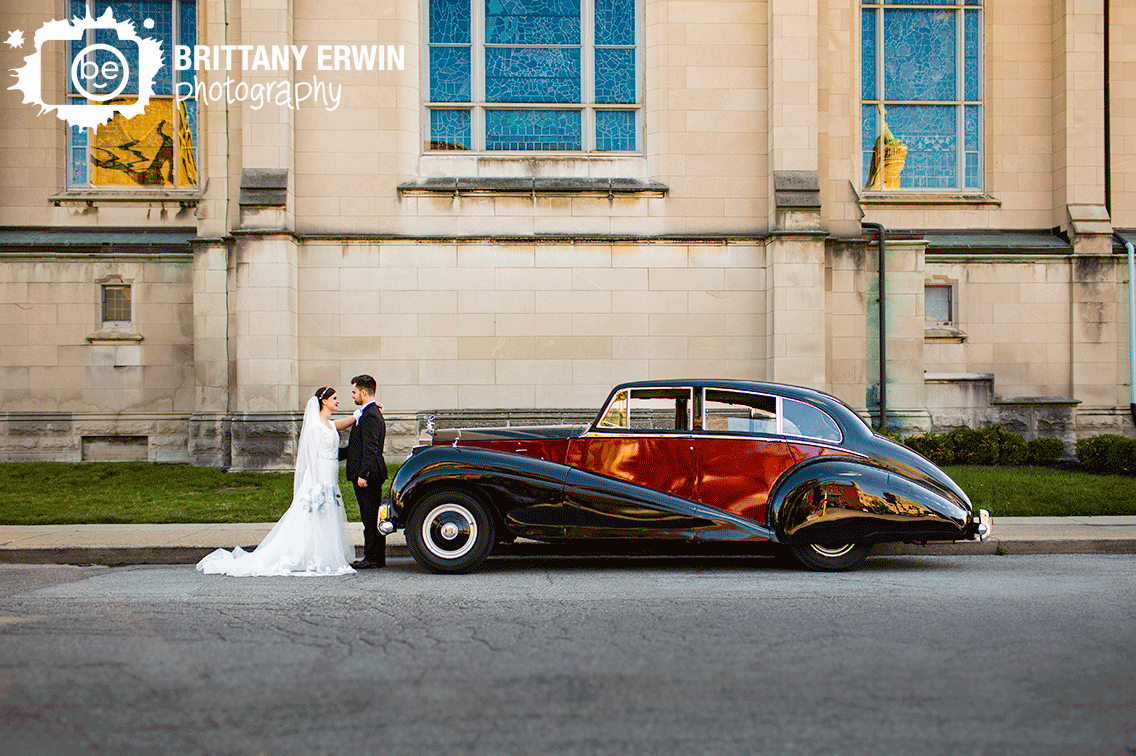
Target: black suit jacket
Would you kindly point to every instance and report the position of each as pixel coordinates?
(364, 450)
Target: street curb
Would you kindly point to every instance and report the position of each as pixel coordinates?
(174, 555)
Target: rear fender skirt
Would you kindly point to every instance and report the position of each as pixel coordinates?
(831, 500)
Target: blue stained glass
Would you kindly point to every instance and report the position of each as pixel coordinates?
(919, 55)
(78, 135)
(532, 22)
(449, 22)
(972, 181)
(974, 2)
(615, 22)
(191, 122)
(75, 9)
(930, 133)
(973, 39)
(868, 54)
(971, 116)
(869, 124)
(532, 130)
(921, 2)
(449, 74)
(615, 130)
(615, 75)
(161, 12)
(78, 166)
(450, 130)
(187, 35)
(972, 124)
(532, 74)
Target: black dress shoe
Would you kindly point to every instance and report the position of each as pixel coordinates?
(364, 564)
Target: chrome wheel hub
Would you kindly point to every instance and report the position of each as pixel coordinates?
(449, 531)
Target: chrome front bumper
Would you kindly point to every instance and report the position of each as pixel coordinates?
(386, 527)
(981, 525)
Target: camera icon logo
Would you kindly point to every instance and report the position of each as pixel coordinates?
(98, 73)
(87, 74)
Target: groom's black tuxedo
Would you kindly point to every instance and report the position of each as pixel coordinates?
(364, 450)
(364, 455)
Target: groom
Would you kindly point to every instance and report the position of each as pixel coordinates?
(366, 469)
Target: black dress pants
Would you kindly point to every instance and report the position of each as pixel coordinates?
(374, 542)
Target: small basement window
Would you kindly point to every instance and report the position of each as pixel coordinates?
(939, 305)
(116, 309)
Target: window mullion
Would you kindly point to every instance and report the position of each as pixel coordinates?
(960, 94)
(477, 74)
(587, 72)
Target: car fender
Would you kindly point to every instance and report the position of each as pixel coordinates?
(833, 500)
(504, 480)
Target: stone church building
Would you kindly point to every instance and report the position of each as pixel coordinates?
(500, 208)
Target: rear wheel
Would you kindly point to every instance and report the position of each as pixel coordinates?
(450, 531)
(831, 557)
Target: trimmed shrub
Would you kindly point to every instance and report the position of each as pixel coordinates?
(1108, 453)
(1045, 451)
(1122, 456)
(1008, 448)
(933, 446)
(966, 445)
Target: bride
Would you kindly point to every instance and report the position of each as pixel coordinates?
(311, 537)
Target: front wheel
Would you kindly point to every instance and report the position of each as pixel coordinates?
(831, 557)
(450, 531)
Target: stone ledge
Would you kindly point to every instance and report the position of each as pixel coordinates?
(534, 186)
(142, 196)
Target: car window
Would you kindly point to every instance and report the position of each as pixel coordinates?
(662, 409)
(806, 420)
(738, 412)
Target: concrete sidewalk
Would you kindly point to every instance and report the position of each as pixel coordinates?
(185, 544)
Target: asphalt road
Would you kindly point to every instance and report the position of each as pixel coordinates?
(911, 655)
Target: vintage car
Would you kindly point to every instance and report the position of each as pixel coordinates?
(697, 461)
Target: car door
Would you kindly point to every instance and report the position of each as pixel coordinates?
(740, 451)
(643, 441)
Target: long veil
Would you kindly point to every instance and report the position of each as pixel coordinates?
(307, 448)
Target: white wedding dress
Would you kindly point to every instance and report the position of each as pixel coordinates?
(311, 537)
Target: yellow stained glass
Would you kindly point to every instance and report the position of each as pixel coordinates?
(146, 150)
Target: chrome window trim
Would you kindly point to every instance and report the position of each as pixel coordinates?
(779, 408)
(607, 430)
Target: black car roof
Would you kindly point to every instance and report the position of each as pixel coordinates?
(783, 389)
(834, 405)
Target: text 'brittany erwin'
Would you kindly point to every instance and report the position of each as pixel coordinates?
(289, 57)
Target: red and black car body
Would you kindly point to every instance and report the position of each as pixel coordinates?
(705, 460)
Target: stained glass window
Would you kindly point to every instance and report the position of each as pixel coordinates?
(921, 88)
(537, 75)
(157, 148)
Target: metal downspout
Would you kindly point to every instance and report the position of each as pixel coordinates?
(881, 238)
(1131, 325)
(1107, 115)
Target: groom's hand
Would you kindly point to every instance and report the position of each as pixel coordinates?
(362, 482)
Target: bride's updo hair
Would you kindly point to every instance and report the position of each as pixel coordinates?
(324, 393)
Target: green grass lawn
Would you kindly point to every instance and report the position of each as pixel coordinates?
(50, 493)
(44, 493)
(1045, 491)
